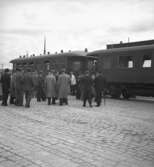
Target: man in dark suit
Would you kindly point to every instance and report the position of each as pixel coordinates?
(28, 87)
(5, 80)
(100, 84)
(87, 84)
(19, 87)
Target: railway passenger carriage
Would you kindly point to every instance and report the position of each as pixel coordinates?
(77, 62)
(127, 67)
(129, 71)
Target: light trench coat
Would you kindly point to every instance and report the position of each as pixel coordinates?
(63, 85)
(50, 85)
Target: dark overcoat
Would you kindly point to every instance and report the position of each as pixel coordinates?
(28, 82)
(5, 81)
(100, 83)
(87, 83)
(12, 86)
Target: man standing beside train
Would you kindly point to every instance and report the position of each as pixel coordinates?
(100, 85)
(19, 87)
(28, 87)
(50, 87)
(40, 87)
(5, 80)
(73, 83)
(87, 84)
(63, 87)
(12, 87)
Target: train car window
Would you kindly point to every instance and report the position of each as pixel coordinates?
(18, 65)
(90, 65)
(39, 66)
(47, 65)
(130, 64)
(147, 61)
(31, 65)
(24, 65)
(76, 65)
(14, 66)
(126, 62)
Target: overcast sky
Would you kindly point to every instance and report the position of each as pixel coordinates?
(71, 25)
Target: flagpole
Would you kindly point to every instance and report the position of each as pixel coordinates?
(44, 52)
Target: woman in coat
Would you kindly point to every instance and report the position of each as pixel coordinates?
(50, 87)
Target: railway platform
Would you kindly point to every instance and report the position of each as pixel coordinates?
(117, 134)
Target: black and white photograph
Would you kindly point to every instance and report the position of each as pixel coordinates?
(76, 83)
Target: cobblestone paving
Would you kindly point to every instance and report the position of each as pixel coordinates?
(119, 134)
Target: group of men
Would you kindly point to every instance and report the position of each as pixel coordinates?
(91, 86)
(16, 85)
(53, 86)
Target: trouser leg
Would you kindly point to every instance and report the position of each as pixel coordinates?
(19, 98)
(65, 100)
(12, 99)
(74, 90)
(38, 96)
(85, 97)
(98, 98)
(43, 96)
(89, 97)
(49, 100)
(4, 98)
(28, 98)
(61, 101)
(53, 100)
(90, 102)
(84, 100)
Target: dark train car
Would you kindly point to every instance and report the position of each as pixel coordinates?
(129, 71)
(77, 62)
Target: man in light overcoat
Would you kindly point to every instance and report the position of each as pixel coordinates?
(50, 87)
(63, 87)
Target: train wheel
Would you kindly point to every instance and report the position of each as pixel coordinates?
(125, 94)
(115, 92)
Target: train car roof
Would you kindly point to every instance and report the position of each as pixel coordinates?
(65, 54)
(123, 49)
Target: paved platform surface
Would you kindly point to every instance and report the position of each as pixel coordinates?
(119, 134)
